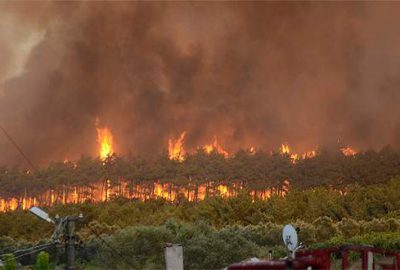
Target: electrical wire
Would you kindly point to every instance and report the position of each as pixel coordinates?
(28, 249)
(128, 261)
(33, 251)
(19, 149)
(24, 254)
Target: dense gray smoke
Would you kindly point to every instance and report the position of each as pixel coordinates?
(309, 74)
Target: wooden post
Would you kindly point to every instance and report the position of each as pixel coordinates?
(345, 260)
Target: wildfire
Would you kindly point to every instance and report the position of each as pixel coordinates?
(252, 150)
(175, 148)
(309, 154)
(285, 150)
(103, 191)
(105, 140)
(214, 146)
(348, 151)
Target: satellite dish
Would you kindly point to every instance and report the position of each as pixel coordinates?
(290, 238)
(40, 213)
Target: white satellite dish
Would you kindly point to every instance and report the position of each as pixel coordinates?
(40, 213)
(290, 238)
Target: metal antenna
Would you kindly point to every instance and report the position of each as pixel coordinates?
(19, 149)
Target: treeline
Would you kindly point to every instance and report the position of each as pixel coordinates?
(381, 201)
(254, 170)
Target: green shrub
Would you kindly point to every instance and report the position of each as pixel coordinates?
(349, 227)
(325, 228)
(42, 261)
(9, 262)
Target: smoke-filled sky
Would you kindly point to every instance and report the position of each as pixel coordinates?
(262, 73)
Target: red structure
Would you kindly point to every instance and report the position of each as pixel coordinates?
(346, 257)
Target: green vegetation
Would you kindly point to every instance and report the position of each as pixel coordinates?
(360, 203)
(207, 247)
(217, 231)
(10, 262)
(42, 261)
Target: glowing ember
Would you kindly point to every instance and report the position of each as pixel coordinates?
(214, 146)
(105, 140)
(309, 154)
(348, 151)
(252, 150)
(175, 148)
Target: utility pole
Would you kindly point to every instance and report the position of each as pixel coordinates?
(70, 234)
(70, 239)
(64, 232)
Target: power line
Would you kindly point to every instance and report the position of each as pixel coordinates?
(33, 251)
(28, 249)
(19, 149)
(24, 254)
(110, 247)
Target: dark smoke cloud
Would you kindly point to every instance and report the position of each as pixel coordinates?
(251, 73)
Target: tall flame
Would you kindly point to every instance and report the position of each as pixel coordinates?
(175, 148)
(105, 140)
(214, 146)
(284, 149)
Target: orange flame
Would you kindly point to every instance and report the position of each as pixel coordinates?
(103, 191)
(214, 146)
(105, 140)
(309, 154)
(285, 150)
(252, 150)
(175, 148)
(348, 151)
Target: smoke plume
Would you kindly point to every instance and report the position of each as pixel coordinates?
(309, 74)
